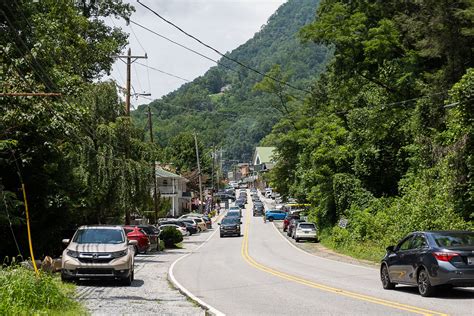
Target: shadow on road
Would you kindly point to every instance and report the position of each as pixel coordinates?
(108, 283)
(442, 293)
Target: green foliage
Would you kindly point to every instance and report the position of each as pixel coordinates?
(223, 106)
(385, 140)
(22, 293)
(171, 236)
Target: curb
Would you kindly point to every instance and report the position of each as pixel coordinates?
(209, 310)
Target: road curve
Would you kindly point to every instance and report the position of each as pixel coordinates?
(259, 273)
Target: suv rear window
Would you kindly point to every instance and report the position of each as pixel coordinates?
(98, 236)
(306, 226)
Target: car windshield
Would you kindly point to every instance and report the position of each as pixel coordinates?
(454, 239)
(229, 221)
(99, 236)
(233, 214)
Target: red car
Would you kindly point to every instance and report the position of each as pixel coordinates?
(136, 233)
(287, 220)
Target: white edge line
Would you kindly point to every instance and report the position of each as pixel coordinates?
(210, 309)
(319, 257)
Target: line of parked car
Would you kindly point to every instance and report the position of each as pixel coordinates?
(108, 251)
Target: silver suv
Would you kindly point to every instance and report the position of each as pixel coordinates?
(98, 252)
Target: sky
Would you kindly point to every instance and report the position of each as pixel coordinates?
(223, 24)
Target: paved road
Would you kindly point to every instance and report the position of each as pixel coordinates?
(260, 273)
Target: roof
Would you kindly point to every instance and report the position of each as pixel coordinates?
(161, 173)
(264, 154)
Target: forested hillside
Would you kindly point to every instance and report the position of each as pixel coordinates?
(386, 139)
(223, 106)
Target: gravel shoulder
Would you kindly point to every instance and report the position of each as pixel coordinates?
(150, 292)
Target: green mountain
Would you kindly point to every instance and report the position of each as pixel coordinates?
(223, 106)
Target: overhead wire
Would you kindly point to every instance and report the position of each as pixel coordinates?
(222, 54)
(162, 71)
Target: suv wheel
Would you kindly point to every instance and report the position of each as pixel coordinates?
(270, 219)
(66, 278)
(128, 280)
(385, 278)
(424, 285)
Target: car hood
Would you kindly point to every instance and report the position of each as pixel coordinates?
(96, 247)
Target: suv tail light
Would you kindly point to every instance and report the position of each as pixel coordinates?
(445, 256)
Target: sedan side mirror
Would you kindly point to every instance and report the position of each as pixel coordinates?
(66, 241)
(390, 248)
(133, 242)
(240, 222)
(219, 224)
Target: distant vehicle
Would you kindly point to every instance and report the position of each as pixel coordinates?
(230, 226)
(429, 259)
(99, 252)
(153, 234)
(138, 234)
(290, 231)
(240, 203)
(201, 223)
(237, 214)
(258, 210)
(191, 225)
(305, 230)
(179, 228)
(235, 209)
(288, 218)
(224, 196)
(275, 215)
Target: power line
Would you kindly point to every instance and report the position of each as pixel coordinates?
(183, 46)
(221, 54)
(162, 71)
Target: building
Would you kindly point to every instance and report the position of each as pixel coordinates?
(263, 158)
(174, 188)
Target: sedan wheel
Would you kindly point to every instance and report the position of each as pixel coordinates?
(385, 277)
(424, 285)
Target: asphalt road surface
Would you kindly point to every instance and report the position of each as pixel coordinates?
(261, 273)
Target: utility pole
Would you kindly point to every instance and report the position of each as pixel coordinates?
(199, 173)
(155, 189)
(129, 62)
(127, 105)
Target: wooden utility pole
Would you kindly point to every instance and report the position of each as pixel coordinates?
(155, 189)
(127, 104)
(199, 173)
(129, 62)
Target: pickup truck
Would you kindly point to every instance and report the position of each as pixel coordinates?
(275, 214)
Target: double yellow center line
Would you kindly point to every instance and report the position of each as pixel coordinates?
(296, 279)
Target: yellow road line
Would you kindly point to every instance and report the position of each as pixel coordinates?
(296, 279)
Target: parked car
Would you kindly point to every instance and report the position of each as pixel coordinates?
(236, 209)
(99, 252)
(201, 223)
(191, 225)
(305, 230)
(287, 220)
(138, 234)
(208, 222)
(292, 225)
(429, 259)
(230, 226)
(275, 215)
(181, 229)
(153, 234)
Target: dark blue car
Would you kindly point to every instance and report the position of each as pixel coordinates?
(429, 259)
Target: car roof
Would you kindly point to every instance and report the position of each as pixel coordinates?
(101, 227)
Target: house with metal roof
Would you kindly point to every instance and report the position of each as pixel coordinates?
(174, 187)
(263, 158)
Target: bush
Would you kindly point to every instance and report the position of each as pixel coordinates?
(171, 236)
(21, 292)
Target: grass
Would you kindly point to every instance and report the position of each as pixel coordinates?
(21, 292)
(365, 250)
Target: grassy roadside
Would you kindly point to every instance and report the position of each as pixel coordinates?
(22, 293)
(365, 250)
